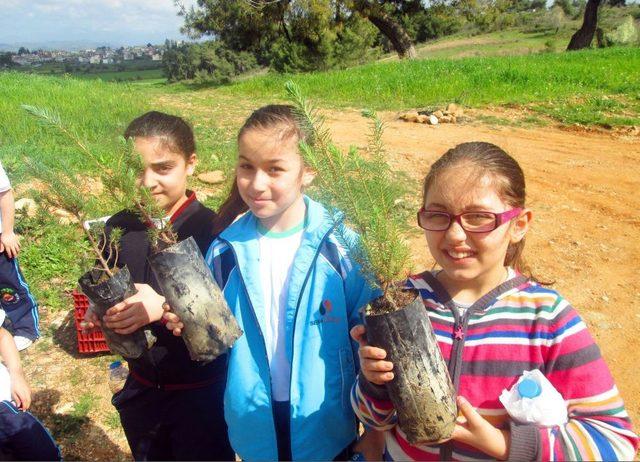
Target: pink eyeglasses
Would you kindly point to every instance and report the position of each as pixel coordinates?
(472, 222)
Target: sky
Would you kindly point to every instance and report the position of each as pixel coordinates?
(116, 22)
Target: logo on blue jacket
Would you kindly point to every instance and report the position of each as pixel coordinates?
(325, 314)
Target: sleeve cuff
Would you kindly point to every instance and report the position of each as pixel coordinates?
(372, 390)
(525, 442)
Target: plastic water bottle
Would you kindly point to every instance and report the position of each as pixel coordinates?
(529, 389)
(533, 399)
(118, 374)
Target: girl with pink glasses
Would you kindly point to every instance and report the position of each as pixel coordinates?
(493, 322)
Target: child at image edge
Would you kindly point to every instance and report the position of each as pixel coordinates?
(22, 436)
(295, 294)
(492, 323)
(16, 299)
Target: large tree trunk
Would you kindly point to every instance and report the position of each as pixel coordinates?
(389, 27)
(583, 37)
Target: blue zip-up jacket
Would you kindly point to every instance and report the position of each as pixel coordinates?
(326, 291)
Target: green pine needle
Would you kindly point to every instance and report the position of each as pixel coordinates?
(363, 186)
(120, 175)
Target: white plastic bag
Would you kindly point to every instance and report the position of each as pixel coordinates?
(546, 409)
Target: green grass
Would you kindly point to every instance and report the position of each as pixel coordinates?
(112, 420)
(561, 79)
(605, 111)
(85, 404)
(97, 111)
(121, 76)
(510, 42)
(51, 258)
(76, 377)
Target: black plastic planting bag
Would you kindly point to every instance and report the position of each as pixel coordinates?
(421, 390)
(186, 282)
(103, 296)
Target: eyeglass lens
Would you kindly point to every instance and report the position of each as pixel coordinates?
(471, 221)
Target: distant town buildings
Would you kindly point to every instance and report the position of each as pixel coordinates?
(100, 55)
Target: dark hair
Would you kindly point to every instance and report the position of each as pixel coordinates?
(275, 116)
(173, 131)
(272, 116)
(504, 171)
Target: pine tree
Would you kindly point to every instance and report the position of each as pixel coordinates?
(366, 190)
(63, 193)
(119, 174)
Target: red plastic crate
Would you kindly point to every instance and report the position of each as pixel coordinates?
(87, 343)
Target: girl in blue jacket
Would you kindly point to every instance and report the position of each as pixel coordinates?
(296, 294)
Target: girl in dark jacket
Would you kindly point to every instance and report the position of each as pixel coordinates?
(170, 407)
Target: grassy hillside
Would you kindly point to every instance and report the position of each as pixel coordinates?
(599, 86)
(95, 110)
(124, 76)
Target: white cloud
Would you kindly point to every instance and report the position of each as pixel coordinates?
(117, 21)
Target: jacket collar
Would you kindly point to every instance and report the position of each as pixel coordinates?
(483, 303)
(319, 222)
(191, 197)
(242, 236)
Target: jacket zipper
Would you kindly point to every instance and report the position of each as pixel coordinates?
(455, 361)
(459, 337)
(295, 318)
(264, 343)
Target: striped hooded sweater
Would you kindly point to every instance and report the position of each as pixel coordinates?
(517, 326)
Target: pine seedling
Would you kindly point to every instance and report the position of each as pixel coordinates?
(366, 190)
(120, 174)
(62, 193)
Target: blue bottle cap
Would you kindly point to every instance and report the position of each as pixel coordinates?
(529, 388)
(115, 364)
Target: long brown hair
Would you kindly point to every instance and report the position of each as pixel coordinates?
(508, 179)
(272, 116)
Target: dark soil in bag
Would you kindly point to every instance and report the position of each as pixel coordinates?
(186, 282)
(421, 390)
(105, 294)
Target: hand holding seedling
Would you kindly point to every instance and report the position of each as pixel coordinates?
(136, 311)
(372, 363)
(90, 320)
(172, 321)
(10, 243)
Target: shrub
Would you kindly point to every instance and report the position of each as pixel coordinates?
(337, 46)
(210, 61)
(440, 20)
(627, 33)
